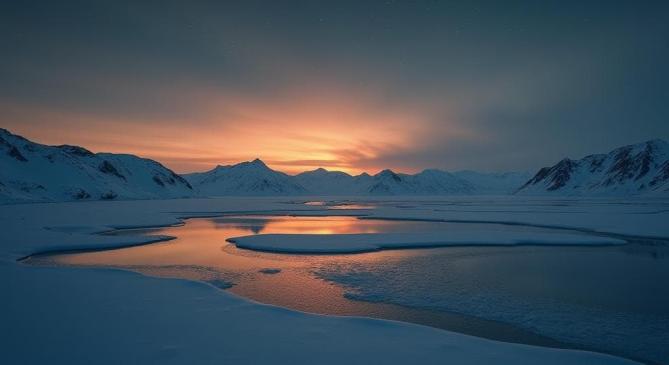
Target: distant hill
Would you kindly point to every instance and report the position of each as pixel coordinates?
(324, 182)
(255, 178)
(494, 182)
(427, 182)
(386, 182)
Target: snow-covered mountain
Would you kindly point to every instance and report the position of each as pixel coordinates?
(386, 182)
(34, 172)
(494, 182)
(427, 182)
(324, 182)
(255, 178)
(641, 168)
(246, 178)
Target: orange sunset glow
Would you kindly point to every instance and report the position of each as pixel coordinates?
(293, 133)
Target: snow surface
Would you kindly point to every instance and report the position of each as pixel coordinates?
(61, 315)
(348, 243)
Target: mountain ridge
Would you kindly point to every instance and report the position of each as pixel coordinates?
(31, 171)
(635, 169)
(245, 178)
(242, 179)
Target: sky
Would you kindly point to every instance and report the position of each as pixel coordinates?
(346, 85)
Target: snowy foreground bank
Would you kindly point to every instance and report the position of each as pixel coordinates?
(61, 315)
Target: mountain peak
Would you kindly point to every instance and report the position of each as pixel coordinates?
(657, 143)
(386, 172)
(245, 178)
(318, 171)
(256, 163)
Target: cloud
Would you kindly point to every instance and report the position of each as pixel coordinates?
(349, 85)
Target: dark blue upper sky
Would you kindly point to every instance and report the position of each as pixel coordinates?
(353, 85)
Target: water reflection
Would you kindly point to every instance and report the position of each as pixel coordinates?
(465, 289)
(611, 299)
(200, 252)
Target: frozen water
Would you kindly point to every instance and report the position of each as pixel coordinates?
(610, 298)
(589, 297)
